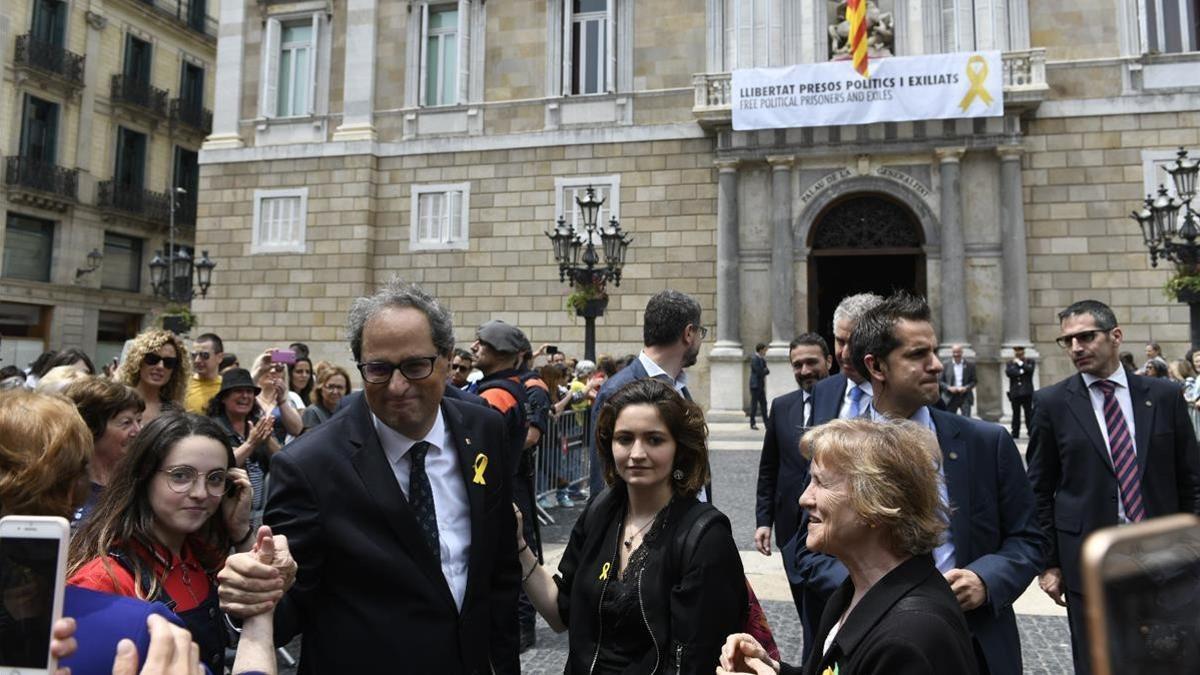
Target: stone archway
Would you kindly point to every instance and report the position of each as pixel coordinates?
(860, 242)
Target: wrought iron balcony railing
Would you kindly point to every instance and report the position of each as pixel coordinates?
(192, 114)
(129, 91)
(144, 204)
(35, 174)
(48, 57)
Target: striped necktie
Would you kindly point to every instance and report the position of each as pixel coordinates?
(1124, 458)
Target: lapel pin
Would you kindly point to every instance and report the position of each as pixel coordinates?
(467, 441)
(604, 571)
(481, 462)
(953, 455)
(1148, 404)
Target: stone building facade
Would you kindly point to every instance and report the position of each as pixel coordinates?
(105, 104)
(439, 140)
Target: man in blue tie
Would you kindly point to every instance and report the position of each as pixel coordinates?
(1107, 447)
(782, 470)
(846, 394)
(994, 547)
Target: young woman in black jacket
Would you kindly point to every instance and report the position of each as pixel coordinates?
(650, 581)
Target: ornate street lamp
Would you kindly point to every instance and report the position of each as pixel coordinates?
(179, 265)
(580, 266)
(1165, 236)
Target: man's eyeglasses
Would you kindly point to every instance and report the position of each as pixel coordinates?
(168, 362)
(181, 480)
(379, 372)
(202, 356)
(1084, 337)
(701, 330)
(460, 367)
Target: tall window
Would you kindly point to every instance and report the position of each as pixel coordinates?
(1171, 26)
(589, 46)
(440, 216)
(131, 159)
(191, 86)
(39, 130)
(49, 21)
(187, 176)
(441, 57)
(279, 221)
(28, 244)
(137, 60)
(122, 269)
(295, 69)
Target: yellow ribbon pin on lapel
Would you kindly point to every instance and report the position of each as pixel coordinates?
(481, 462)
(604, 571)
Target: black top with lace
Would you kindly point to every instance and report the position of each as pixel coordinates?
(626, 636)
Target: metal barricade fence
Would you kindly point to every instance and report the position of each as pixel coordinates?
(563, 458)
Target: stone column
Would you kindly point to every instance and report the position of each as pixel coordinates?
(782, 301)
(96, 23)
(1014, 269)
(954, 258)
(358, 98)
(726, 358)
(231, 53)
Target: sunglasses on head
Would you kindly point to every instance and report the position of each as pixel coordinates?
(169, 362)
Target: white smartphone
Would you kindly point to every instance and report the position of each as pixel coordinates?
(33, 568)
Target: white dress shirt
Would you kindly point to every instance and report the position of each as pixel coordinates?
(943, 555)
(863, 403)
(807, 408)
(1125, 401)
(679, 383)
(958, 376)
(449, 494)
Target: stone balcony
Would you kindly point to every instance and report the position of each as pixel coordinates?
(1024, 88)
(39, 183)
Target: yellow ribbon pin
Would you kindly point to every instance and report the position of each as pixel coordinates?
(481, 461)
(604, 571)
(977, 78)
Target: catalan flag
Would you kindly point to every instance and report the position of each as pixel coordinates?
(856, 13)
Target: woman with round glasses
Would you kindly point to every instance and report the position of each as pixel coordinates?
(164, 525)
(333, 384)
(158, 367)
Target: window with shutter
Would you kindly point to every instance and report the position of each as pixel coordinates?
(439, 217)
(280, 221)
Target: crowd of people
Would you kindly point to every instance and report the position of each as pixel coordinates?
(207, 499)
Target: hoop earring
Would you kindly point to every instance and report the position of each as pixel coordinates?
(677, 474)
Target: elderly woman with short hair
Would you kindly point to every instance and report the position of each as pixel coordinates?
(873, 503)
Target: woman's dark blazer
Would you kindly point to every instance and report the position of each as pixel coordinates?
(907, 624)
(690, 605)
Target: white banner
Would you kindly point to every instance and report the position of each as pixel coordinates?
(899, 89)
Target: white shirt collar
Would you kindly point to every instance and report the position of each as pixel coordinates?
(1119, 377)
(654, 370)
(396, 445)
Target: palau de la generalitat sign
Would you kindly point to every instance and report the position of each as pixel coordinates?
(899, 89)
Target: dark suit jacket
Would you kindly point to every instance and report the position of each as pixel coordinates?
(782, 471)
(1072, 473)
(968, 381)
(758, 372)
(994, 528)
(908, 622)
(827, 398)
(1020, 378)
(370, 595)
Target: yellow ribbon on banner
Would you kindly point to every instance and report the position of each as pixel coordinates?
(604, 571)
(977, 78)
(481, 461)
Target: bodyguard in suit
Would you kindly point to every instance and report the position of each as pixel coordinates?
(671, 337)
(1020, 389)
(836, 397)
(758, 383)
(994, 546)
(958, 376)
(391, 509)
(1108, 447)
(782, 470)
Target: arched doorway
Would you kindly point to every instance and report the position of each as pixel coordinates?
(863, 242)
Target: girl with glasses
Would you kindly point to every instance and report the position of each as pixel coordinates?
(161, 530)
(158, 367)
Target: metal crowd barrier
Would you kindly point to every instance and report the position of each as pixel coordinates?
(563, 458)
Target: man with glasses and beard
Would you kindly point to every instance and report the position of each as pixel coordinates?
(671, 338)
(1107, 447)
(207, 352)
(391, 509)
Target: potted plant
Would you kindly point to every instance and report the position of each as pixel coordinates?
(177, 319)
(588, 298)
(1183, 287)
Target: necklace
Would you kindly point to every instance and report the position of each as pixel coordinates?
(629, 540)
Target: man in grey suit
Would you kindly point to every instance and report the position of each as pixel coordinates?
(959, 381)
(671, 337)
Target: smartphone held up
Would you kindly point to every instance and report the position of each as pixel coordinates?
(33, 563)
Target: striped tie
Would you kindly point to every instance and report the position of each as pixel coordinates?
(1120, 445)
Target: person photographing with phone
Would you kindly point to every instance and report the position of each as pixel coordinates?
(164, 525)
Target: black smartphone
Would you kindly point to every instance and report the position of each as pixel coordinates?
(551, 349)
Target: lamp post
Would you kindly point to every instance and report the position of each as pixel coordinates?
(1168, 236)
(178, 264)
(579, 263)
